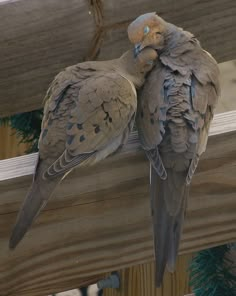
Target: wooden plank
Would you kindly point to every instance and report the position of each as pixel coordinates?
(23, 166)
(39, 38)
(139, 280)
(99, 220)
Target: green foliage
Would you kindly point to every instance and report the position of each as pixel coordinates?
(27, 126)
(211, 273)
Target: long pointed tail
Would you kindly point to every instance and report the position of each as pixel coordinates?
(168, 202)
(36, 199)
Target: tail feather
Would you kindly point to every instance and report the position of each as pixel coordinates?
(36, 199)
(177, 231)
(168, 206)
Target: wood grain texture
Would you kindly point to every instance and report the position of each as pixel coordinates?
(99, 219)
(227, 102)
(139, 280)
(40, 38)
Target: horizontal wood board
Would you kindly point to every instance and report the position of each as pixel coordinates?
(99, 218)
(40, 38)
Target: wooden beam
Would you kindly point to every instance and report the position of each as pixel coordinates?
(40, 38)
(99, 219)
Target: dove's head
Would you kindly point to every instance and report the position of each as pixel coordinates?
(145, 59)
(135, 67)
(147, 30)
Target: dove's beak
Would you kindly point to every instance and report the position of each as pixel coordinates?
(137, 48)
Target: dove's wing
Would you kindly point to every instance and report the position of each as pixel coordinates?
(88, 115)
(205, 91)
(99, 122)
(151, 116)
(203, 98)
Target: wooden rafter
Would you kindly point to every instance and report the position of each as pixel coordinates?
(40, 38)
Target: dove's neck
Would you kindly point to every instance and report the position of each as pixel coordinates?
(132, 69)
(175, 38)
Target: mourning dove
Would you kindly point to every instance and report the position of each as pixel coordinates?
(175, 109)
(89, 112)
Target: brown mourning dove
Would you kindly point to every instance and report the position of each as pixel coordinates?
(89, 112)
(175, 109)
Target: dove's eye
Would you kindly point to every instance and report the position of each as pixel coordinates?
(146, 30)
(158, 33)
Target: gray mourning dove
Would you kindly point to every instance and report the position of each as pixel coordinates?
(89, 112)
(175, 109)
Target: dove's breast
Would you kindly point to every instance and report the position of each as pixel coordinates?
(180, 137)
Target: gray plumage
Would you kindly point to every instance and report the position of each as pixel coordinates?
(175, 109)
(89, 112)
